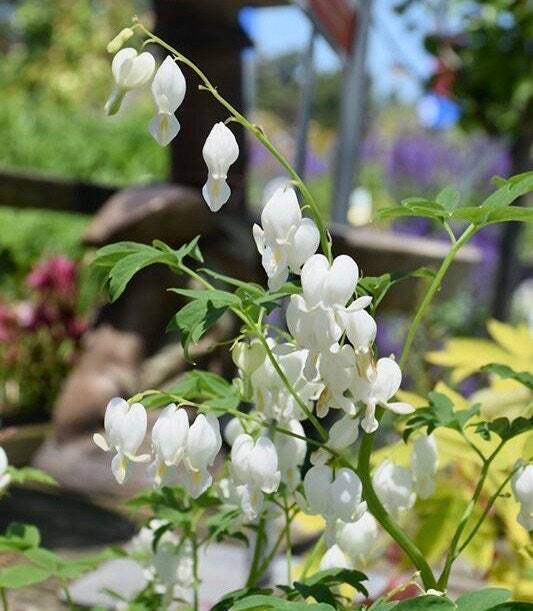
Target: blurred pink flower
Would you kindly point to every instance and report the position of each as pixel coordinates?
(56, 274)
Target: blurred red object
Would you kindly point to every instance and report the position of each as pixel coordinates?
(337, 20)
(57, 274)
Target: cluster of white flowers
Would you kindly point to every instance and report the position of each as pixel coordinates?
(181, 452)
(522, 484)
(132, 70)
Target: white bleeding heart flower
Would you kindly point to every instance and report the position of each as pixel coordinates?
(336, 369)
(424, 462)
(220, 152)
(168, 90)
(361, 330)
(377, 387)
(315, 318)
(522, 485)
(286, 240)
(232, 430)
(125, 429)
(342, 434)
(394, 487)
(334, 558)
(335, 496)
(203, 444)
(271, 396)
(130, 71)
(169, 440)
(254, 470)
(291, 454)
(5, 478)
(358, 539)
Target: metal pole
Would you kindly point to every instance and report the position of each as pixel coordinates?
(306, 103)
(351, 115)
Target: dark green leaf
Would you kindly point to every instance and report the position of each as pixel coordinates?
(483, 600)
(504, 428)
(123, 271)
(423, 603)
(226, 603)
(216, 297)
(20, 537)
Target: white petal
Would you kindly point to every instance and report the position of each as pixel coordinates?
(317, 483)
(334, 558)
(116, 409)
(359, 304)
(131, 70)
(264, 465)
(304, 244)
(360, 328)
(204, 441)
(343, 433)
(282, 215)
(164, 127)
(126, 54)
(398, 407)
(216, 193)
(120, 467)
(369, 422)
(314, 274)
(197, 481)
(259, 238)
(132, 429)
(240, 458)
(346, 492)
(388, 380)
(169, 435)
(358, 539)
(100, 441)
(168, 86)
(220, 150)
(341, 280)
(3, 461)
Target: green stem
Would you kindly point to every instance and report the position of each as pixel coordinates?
(379, 512)
(3, 596)
(68, 598)
(268, 560)
(453, 552)
(433, 288)
(288, 539)
(259, 134)
(196, 580)
(258, 550)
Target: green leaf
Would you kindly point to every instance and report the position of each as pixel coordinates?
(511, 213)
(483, 600)
(514, 188)
(382, 605)
(124, 270)
(29, 474)
(504, 428)
(261, 601)
(513, 606)
(226, 602)
(218, 298)
(194, 319)
(470, 214)
(423, 603)
(23, 575)
(378, 286)
(334, 577)
(449, 199)
(20, 537)
(506, 372)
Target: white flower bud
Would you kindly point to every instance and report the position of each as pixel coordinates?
(522, 485)
(130, 71)
(424, 461)
(168, 90)
(125, 429)
(291, 454)
(5, 478)
(394, 487)
(118, 42)
(169, 440)
(220, 152)
(232, 430)
(358, 539)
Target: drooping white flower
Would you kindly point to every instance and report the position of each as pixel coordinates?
(335, 496)
(394, 486)
(315, 318)
(220, 152)
(168, 90)
(169, 440)
(342, 434)
(376, 387)
(130, 71)
(336, 369)
(5, 478)
(522, 485)
(291, 454)
(286, 240)
(334, 558)
(358, 539)
(424, 461)
(271, 396)
(125, 429)
(254, 469)
(203, 444)
(232, 430)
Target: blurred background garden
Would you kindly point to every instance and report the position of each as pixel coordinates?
(445, 100)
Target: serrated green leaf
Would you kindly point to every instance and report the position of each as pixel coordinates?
(483, 600)
(109, 255)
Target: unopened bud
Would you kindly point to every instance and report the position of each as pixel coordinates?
(117, 43)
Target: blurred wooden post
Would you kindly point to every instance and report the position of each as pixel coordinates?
(209, 34)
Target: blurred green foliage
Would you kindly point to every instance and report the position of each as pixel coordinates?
(55, 77)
